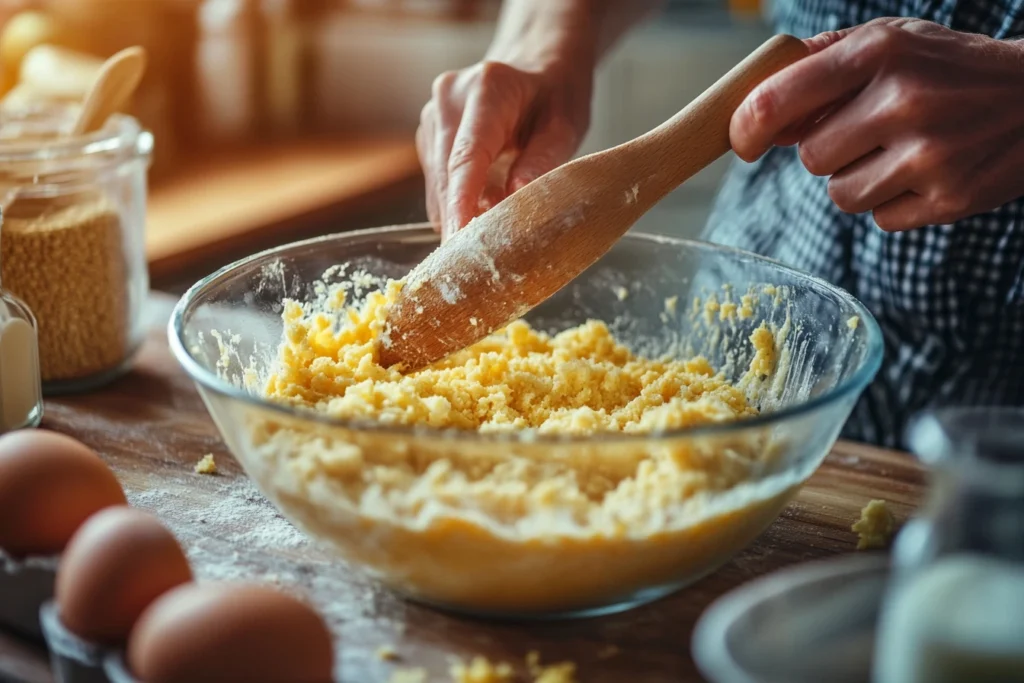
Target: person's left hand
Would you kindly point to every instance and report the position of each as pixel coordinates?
(914, 122)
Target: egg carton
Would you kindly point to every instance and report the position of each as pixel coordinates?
(25, 584)
(73, 659)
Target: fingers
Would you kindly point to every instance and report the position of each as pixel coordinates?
(823, 40)
(848, 133)
(797, 132)
(552, 144)
(434, 138)
(493, 114)
(905, 212)
(869, 182)
(424, 136)
(836, 71)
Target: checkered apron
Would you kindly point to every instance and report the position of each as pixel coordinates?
(949, 298)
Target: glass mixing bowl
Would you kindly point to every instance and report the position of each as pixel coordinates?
(408, 504)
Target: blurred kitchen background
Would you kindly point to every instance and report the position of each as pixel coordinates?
(280, 119)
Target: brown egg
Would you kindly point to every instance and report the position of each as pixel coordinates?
(115, 566)
(49, 485)
(230, 632)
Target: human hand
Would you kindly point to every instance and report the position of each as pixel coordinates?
(531, 119)
(913, 121)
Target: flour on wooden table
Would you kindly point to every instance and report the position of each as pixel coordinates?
(237, 515)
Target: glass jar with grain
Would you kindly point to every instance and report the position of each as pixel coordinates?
(73, 240)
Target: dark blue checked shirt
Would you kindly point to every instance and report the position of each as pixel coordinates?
(949, 298)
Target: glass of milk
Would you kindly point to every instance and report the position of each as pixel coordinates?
(955, 607)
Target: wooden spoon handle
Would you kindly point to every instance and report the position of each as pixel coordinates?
(538, 239)
(699, 134)
(114, 84)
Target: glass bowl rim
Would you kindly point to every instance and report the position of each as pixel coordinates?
(209, 380)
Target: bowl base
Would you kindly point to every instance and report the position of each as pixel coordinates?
(637, 599)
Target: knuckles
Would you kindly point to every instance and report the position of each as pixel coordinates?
(887, 221)
(443, 84)
(813, 158)
(874, 45)
(844, 198)
(491, 73)
(952, 204)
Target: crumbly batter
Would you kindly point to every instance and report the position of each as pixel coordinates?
(481, 670)
(875, 527)
(580, 381)
(206, 465)
(517, 524)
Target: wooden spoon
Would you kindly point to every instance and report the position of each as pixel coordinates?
(116, 81)
(537, 240)
(114, 85)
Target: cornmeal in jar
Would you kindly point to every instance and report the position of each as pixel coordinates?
(515, 525)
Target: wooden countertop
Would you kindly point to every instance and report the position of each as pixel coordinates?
(151, 427)
(219, 202)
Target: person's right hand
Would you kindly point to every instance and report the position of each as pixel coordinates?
(493, 112)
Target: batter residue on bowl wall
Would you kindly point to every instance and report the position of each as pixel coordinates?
(519, 525)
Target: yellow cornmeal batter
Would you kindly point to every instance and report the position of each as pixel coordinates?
(875, 527)
(516, 526)
(580, 381)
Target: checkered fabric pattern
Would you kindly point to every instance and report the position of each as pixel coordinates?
(949, 298)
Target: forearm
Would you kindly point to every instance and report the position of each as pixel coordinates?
(533, 34)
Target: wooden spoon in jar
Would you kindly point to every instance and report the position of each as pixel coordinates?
(114, 85)
(537, 240)
(117, 79)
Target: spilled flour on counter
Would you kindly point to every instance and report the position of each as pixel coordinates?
(252, 521)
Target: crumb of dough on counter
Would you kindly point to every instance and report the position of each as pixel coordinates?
(387, 653)
(417, 675)
(481, 670)
(562, 672)
(853, 322)
(621, 293)
(875, 527)
(206, 465)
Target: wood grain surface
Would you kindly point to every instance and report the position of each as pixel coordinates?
(215, 203)
(152, 428)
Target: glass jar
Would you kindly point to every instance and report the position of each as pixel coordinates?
(955, 608)
(73, 246)
(21, 399)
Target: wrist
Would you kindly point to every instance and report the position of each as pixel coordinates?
(547, 36)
